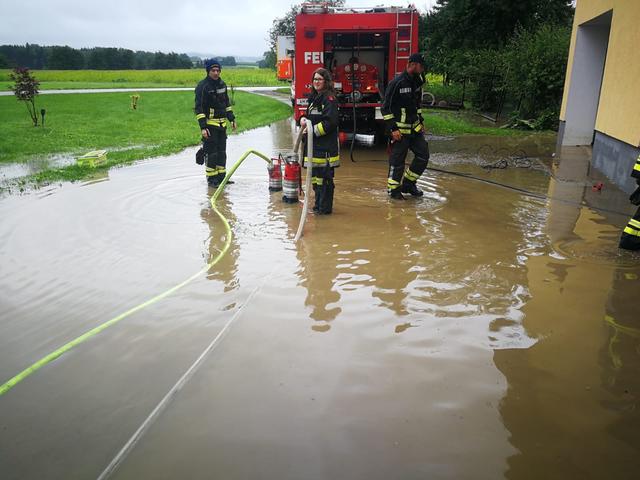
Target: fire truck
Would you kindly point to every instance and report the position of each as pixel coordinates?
(363, 48)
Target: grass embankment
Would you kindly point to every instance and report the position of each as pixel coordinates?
(164, 123)
(75, 79)
(458, 123)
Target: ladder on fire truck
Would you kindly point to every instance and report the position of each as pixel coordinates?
(403, 45)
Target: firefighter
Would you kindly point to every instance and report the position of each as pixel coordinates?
(213, 112)
(322, 114)
(403, 116)
(630, 239)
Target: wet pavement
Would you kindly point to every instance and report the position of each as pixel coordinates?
(475, 333)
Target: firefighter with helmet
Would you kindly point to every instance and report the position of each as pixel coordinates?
(403, 116)
(322, 122)
(630, 239)
(213, 112)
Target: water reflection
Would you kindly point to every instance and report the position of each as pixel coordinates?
(620, 357)
(570, 403)
(226, 269)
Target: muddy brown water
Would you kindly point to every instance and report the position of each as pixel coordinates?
(476, 333)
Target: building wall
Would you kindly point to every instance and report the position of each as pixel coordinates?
(618, 114)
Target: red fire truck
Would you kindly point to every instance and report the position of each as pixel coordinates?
(363, 48)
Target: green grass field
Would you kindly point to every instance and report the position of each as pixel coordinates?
(74, 79)
(163, 123)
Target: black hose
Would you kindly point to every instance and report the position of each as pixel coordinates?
(528, 193)
(353, 103)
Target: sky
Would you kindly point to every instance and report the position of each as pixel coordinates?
(237, 27)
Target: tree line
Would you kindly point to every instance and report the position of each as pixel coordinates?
(56, 57)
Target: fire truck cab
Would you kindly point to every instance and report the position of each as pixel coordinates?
(363, 48)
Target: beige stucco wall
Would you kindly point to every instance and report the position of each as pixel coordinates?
(619, 109)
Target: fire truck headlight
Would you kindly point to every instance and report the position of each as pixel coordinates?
(356, 96)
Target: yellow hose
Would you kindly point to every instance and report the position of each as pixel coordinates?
(9, 384)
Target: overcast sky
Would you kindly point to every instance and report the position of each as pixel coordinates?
(223, 27)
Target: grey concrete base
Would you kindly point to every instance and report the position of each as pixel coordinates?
(561, 126)
(616, 160)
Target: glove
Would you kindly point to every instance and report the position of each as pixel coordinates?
(634, 198)
(200, 156)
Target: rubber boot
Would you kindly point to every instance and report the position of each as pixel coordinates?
(411, 188)
(316, 195)
(629, 242)
(396, 194)
(326, 197)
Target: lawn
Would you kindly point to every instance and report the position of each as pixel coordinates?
(74, 79)
(74, 124)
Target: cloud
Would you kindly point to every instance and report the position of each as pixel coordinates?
(237, 28)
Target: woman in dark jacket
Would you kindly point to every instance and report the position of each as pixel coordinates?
(322, 113)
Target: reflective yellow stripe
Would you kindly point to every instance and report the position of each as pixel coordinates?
(218, 122)
(333, 161)
(229, 109)
(634, 223)
(316, 180)
(403, 115)
(409, 175)
(222, 169)
(418, 127)
(392, 184)
(200, 115)
(637, 166)
(405, 125)
(419, 110)
(210, 172)
(388, 117)
(631, 231)
(320, 129)
(405, 131)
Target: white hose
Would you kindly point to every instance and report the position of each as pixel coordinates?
(307, 185)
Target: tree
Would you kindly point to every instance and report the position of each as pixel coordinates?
(64, 58)
(286, 25)
(268, 60)
(229, 61)
(25, 90)
(454, 24)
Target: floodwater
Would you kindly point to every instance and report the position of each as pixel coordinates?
(475, 333)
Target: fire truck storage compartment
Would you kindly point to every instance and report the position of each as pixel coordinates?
(369, 52)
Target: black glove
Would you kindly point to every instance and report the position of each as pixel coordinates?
(200, 156)
(634, 198)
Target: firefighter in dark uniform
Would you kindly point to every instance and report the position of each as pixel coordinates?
(630, 239)
(213, 112)
(322, 113)
(403, 116)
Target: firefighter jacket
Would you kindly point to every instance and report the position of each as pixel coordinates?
(635, 173)
(212, 106)
(401, 108)
(322, 112)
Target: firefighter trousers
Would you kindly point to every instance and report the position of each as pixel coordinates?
(630, 239)
(323, 187)
(215, 149)
(420, 148)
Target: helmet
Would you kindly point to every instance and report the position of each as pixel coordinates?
(209, 63)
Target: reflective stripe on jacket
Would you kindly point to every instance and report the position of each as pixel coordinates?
(212, 106)
(322, 112)
(401, 108)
